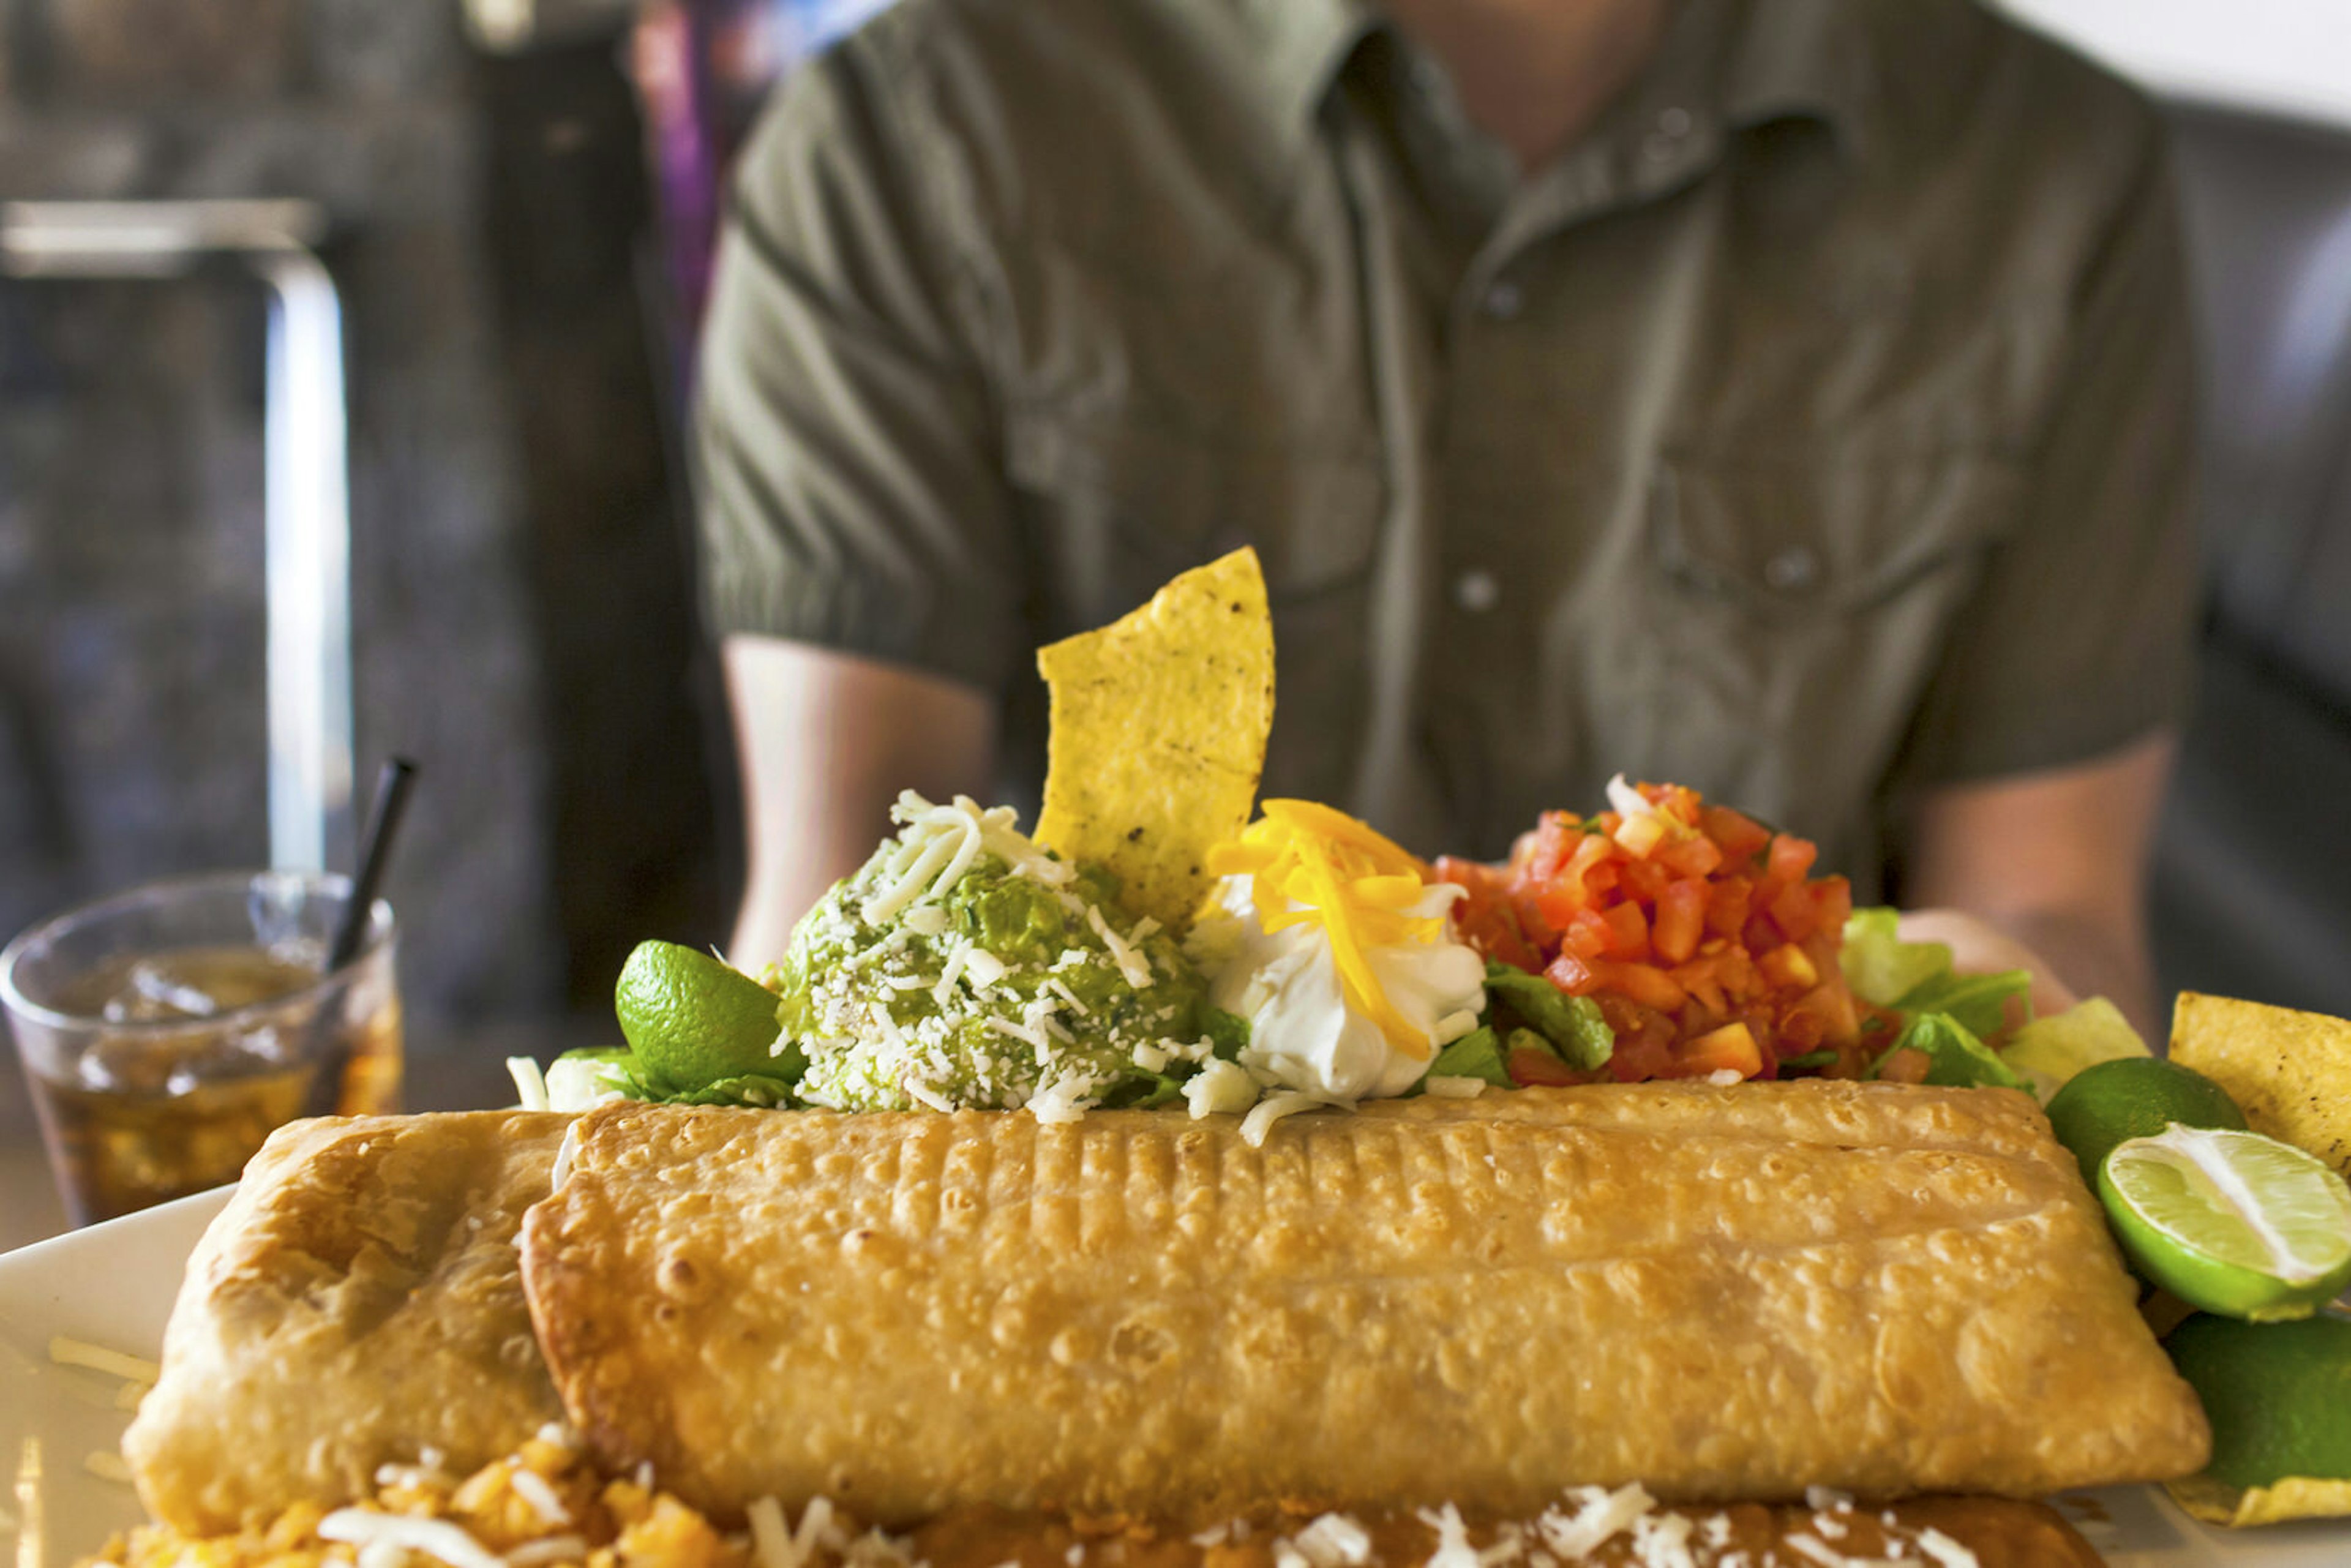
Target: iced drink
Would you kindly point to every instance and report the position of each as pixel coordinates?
(166, 1032)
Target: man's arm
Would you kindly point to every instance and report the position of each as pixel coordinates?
(827, 740)
(2054, 861)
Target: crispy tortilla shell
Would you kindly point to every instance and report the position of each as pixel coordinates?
(357, 1302)
(1721, 1292)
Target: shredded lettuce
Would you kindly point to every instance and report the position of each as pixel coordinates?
(2050, 1051)
(1571, 1026)
(1478, 1054)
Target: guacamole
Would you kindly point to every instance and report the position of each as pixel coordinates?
(964, 968)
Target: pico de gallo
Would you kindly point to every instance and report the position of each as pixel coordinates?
(1700, 933)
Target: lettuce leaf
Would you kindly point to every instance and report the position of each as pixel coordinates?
(750, 1089)
(1879, 965)
(1978, 1001)
(1956, 1058)
(579, 1078)
(1478, 1054)
(1572, 1026)
(2050, 1051)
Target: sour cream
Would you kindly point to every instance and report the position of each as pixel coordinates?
(1303, 1035)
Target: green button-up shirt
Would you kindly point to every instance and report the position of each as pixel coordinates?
(1814, 429)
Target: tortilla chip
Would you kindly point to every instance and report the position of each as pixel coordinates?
(2288, 1497)
(1159, 724)
(2289, 1072)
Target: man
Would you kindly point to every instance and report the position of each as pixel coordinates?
(1788, 398)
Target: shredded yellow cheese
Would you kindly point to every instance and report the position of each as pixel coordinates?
(1309, 864)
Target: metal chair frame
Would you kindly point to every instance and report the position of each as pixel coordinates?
(306, 485)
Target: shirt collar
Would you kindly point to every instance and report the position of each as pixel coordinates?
(1805, 57)
(1304, 45)
(1740, 62)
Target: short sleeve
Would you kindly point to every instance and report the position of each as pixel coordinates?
(2081, 638)
(851, 490)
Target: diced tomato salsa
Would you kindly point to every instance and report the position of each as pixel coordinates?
(1701, 933)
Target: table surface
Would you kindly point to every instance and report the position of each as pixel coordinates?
(438, 1079)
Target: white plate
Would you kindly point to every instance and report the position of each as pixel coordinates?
(112, 1285)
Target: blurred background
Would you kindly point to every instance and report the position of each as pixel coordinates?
(518, 199)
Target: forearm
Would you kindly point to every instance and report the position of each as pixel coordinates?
(827, 740)
(2094, 960)
(2054, 863)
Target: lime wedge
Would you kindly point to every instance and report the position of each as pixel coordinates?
(2279, 1395)
(2232, 1222)
(691, 1019)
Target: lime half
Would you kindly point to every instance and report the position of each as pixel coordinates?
(2232, 1222)
(691, 1019)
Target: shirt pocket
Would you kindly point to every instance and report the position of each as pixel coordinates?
(1797, 607)
(1788, 539)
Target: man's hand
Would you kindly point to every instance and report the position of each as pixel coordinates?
(2047, 871)
(827, 740)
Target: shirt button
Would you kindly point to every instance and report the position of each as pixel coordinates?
(1503, 301)
(1477, 591)
(1793, 570)
(1665, 137)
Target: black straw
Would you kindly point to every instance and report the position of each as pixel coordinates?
(391, 788)
(329, 1054)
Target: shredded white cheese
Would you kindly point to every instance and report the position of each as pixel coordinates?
(1273, 1108)
(1131, 963)
(435, 1537)
(530, 1083)
(533, 1489)
(771, 1544)
(1448, 1088)
(1334, 1541)
(1453, 1025)
(1063, 1100)
(1599, 1514)
(553, 1549)
(1662, 1541)
(1219, 1088)
(1945, 1550)
(97, 1358)
(1453, 1549)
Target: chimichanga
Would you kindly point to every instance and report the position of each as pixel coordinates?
(357, 1303)
(1722, 1292)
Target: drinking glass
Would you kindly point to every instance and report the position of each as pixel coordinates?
(165, 1031)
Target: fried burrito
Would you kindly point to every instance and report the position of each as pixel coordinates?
(358, 1303)
(1729, 1292)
